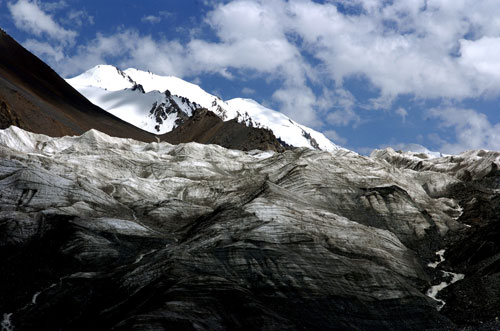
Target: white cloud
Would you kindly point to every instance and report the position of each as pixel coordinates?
(473, 130)
(247, 90)
(339, 107)
(402, 113)
(254, 54)
(55, 53)
(342, 117)
(128, 49)
(335, 137)
(28, 16)
(151, 19)
(299, 104)
(78, 18)
(424, 49)
(481, 58)
(401, 47)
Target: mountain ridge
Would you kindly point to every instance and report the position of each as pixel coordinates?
(111, 88)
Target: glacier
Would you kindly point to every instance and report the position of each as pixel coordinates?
(116, 233)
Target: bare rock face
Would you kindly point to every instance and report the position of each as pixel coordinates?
(206, 127)
(106, 233)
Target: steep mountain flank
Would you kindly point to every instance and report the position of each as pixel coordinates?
(207, 128)
(34, 97)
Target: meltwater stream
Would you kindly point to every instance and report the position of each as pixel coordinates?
(6, 324)
(454, 277)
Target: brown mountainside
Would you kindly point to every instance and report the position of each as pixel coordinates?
(36, 98)
(206, 127)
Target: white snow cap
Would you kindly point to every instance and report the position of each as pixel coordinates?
(116, 91)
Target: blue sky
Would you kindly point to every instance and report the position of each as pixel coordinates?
(367, 73)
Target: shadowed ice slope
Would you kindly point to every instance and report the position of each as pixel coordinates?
(100, 232)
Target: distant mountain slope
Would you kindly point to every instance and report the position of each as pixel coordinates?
(207, 128)
(34, 97)
(160, 103)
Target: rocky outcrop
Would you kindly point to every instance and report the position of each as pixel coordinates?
(179, 108)
(205, 127)
(8, 118)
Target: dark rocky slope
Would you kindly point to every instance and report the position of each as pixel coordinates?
(34, 97)
(207, 128)
(105, 233)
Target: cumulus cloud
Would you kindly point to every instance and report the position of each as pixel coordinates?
(342, 117)
(78, 18)
(335, 137)
(54, 53)
(423, 49)
(402, 113)
(472, 129)
(126, 49)
(153, 19)
(480, 57)
(339, 107)
(247, 90)
(28, 16)
(401, 47)
(298, 103)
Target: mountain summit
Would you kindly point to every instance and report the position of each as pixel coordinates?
(159, 104)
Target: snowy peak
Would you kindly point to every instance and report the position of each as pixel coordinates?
(171, 112)
(106, 77)
(177, 86)
(283, 127)
(159, 104)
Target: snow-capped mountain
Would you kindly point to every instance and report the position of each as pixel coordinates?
(159, 104)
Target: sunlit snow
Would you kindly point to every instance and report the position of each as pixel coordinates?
(112, 90)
